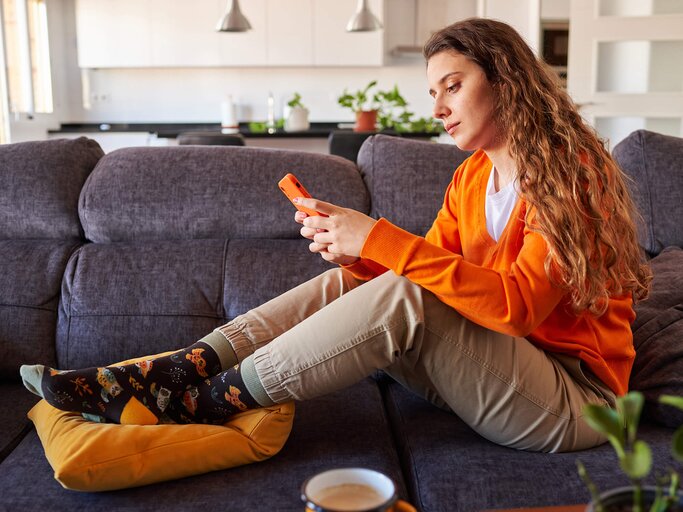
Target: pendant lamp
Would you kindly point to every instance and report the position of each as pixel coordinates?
(363, 20)
(233, 20)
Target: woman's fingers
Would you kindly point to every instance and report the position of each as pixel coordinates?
(317, 248)
(308, 232)
(317, 205)
(300, 216)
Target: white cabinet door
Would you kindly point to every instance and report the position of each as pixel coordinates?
(245, 48)
(334, 46)
(113, 33)
(290, 33)
(183, 33)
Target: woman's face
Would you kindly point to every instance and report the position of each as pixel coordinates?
(463, 100)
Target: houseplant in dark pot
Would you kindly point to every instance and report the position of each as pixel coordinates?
(620, 426)
(363, 105)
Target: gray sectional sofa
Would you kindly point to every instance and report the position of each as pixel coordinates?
(106, 257)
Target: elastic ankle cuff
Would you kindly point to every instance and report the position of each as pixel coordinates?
(221, 346)
(253, 383)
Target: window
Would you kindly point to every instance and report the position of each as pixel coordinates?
(27, 56)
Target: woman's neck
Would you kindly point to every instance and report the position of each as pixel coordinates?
(504, 165)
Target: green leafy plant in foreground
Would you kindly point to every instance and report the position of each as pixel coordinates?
(620, 426)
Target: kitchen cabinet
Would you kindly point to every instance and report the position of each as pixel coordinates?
(158, 33)
(114, 33)
(334, 46)
(183, 35)
(290, 32)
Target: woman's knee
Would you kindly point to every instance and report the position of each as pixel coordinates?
(341, 279)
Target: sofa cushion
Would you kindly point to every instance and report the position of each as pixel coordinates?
(30, 282)
(450, 467)
(208, 192)
(41, 182)
(407, 179)
(658, 339)
(15, 402)
(331, 431)
(121, 300)
(655, 163)
(259, 270)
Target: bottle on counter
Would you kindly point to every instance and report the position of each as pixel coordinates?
(270, 123)
(229, 123)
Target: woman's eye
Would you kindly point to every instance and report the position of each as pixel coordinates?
(453, 88)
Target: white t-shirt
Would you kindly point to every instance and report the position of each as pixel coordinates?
(499, 206)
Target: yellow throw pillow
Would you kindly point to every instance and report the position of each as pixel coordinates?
(87, 456)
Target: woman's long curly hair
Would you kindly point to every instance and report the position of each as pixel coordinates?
(583, 207)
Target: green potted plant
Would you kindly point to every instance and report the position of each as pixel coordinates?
(620, 426)
(392, 112)
(363, 105)
(296, 115)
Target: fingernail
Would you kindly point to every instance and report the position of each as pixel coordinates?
(296, 199)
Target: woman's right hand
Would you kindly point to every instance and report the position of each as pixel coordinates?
(339, 259)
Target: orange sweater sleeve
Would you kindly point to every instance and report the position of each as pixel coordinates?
(365, 269)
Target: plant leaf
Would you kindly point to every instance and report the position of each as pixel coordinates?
(606, 421)
(676, 401)
(630, 406)
(637, 463)
(677, 444)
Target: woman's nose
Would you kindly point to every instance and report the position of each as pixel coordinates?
(440, 109)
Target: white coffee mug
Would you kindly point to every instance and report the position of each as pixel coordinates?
(349, 490)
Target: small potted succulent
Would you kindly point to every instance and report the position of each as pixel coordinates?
(363, 105)
(620, 426)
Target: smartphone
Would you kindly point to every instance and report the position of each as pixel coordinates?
(292, 188)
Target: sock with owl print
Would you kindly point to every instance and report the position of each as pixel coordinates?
(214, 400)
(136, 393)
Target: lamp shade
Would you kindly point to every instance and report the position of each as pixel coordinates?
(233, 20)
(363, 20)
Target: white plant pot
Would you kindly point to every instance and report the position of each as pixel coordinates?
(296, 119)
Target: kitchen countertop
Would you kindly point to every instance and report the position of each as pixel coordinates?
(172, 130)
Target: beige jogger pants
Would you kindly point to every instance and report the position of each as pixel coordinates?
(334, 330)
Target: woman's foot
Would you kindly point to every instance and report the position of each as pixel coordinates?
(137, 393)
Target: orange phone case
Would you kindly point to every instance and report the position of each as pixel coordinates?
(292, 188)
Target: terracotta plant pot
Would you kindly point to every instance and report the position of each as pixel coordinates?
(621, 499)
(366, 121)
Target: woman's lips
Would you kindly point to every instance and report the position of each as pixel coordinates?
(450, 128)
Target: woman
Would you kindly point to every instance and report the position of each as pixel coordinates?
(513, 312)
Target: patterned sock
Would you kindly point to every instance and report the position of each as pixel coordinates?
(216, 399)
(137, 393)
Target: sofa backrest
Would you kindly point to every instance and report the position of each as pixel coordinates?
(39, 231)
(208, 192)
(655, 164)
(407, 179)
(40, 183)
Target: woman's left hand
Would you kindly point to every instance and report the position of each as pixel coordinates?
(345, 230)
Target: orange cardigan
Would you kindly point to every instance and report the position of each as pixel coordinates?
(500, 285)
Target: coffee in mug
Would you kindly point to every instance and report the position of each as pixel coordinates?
(349, 490)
